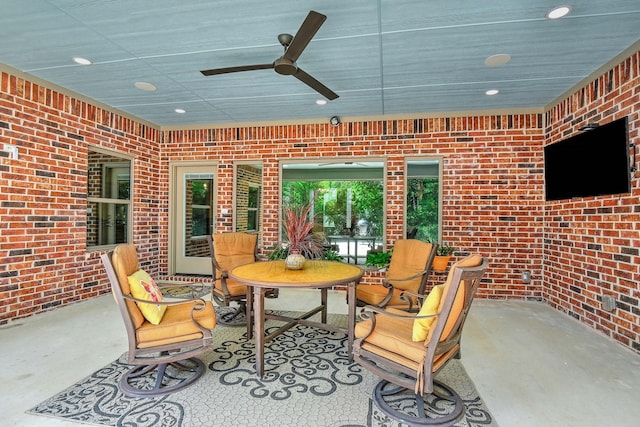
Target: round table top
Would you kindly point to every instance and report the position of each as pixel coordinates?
(316, 273)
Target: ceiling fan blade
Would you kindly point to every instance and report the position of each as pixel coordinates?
(236, 69)
(315, 85)
(307, 30)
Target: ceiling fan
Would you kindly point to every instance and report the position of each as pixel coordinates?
(286, 64)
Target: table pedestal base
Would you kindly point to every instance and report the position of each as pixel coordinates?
(261, 316)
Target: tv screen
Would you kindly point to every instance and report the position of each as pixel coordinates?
(592, 163)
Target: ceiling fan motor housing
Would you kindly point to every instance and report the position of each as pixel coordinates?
(285, 66)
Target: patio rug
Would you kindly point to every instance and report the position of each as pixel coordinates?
(308, 381)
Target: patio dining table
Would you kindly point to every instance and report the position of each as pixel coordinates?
(316, 274)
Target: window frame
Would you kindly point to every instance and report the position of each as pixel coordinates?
(257, 164)
(408, 160)
(125, 159)
(337, 160)
(254, 211)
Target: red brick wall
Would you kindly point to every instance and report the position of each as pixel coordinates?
(493, 193)
(43, 259)
(592, 245)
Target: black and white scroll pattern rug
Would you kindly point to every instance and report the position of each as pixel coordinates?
(308, 382)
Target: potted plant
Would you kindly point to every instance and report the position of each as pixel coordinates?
(378, 259)
(302, 244)
(443, 255)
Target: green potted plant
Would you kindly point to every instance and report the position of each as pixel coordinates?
(378, 259)
(443, 255)
(331, 255)
(302, 243)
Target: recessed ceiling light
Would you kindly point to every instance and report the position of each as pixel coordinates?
(321, 101)
(491, 92)
(558, 12)
(81, 61)
(180, 111)
(145, 86)
(497, 60)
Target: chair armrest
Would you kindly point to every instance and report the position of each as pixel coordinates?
(410, 297)
(198, 305)
(224, 275)
(387, 284)
(177, 284)
(370, 312)
(167, 303)
(415, 295)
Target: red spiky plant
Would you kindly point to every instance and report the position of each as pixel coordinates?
(298, 227)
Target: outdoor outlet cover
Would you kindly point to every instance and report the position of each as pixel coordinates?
(608, 303)
(12, 150)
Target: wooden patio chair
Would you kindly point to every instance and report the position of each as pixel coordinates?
(408, 350)
(163, 335)
(408, 270)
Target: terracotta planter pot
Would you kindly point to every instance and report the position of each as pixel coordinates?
(441, 262)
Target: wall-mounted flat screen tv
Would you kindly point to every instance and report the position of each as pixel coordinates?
(592, 163)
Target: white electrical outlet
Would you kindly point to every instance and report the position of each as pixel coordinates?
(12, 150)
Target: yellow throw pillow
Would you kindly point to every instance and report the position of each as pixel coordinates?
(429, 307)
(144, 287)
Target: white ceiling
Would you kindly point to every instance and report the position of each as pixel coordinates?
(384, 57)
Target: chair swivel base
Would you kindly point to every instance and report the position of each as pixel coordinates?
(445, 407)
(153, 380)
(232, 316)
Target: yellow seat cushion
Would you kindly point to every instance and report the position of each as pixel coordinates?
(144, 287)
(375, 294)
(233, 287)
(176, 325)
(429, 308)
(392, 335)
(371, 294)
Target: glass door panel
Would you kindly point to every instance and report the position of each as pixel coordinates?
(195, 218)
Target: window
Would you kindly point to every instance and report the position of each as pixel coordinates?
(108, 199)
(248, 196)
(423, 210)
(200, 189)
(252, 208)
(347, 202)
